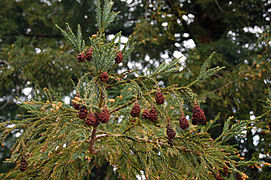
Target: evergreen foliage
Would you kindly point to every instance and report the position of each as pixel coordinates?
(57, 144)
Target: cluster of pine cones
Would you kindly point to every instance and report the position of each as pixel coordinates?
(87, 55)
(152, 115)
(92, 119)
(197, 118)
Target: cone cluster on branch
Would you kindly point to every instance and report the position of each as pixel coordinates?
(88, 55)
(85, 55)
(92, 119)
(80, 57)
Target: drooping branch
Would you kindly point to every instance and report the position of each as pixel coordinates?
(157, 141)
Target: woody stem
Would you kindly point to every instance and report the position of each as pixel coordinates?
(93, 134)
(92, 140)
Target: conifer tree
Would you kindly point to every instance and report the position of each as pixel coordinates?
(126, 122)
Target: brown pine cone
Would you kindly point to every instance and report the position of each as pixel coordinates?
(170, 134)
(153, 115)
(145, 114)
(23, 165)
(91, 120)
(83, 112)
(159, 98)
(89, 54)
(226, 170)
(198, 115)
(119, 57)
(194, 122)
(76, 106)
(135, 110)
(218, 177)
(80, 57)
(103, 116)
(104, 77)
(183, 123)
(238, 176)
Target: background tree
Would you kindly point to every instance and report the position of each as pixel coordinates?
(104, 127)
(238, 31)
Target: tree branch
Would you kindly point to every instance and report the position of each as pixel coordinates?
(4, 62)
(123, 106)
(265, 10)
(156, 141)
(218, 6)
(92, 140)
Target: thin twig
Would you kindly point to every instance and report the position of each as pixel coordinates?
(183, 148)
(265, 9)
(218, 6)
(122, 106)
(4, 62)
(6, 103)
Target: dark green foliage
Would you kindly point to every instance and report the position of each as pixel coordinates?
(239, 89)
(57, 143)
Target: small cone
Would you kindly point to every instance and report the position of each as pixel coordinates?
(119, 57)
(153, 115)
(226, 170)
(104, 77)
(91, 120)
(135, 110)
(159, 98)
(145, 114)
(218, 177)
(170, 134)
(103, 116)
(183, 123)
(89, 54)
(198, 115)
(23, 165)
(76, 106)
(83, 112)
(238, 176)
(80, 57)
